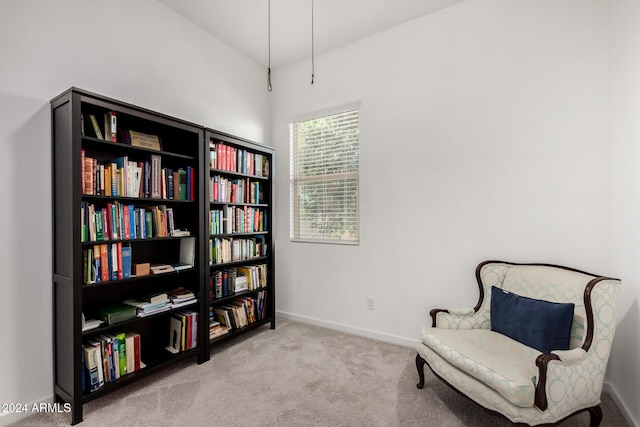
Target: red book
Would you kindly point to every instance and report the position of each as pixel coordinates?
(136, 350)
(88, 175)
(187, 344)
(119, 245)
(104, 262)
(126, 222)
(82, 177)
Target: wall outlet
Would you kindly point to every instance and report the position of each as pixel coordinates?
(371, 303)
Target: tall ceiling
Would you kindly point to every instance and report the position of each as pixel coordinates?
(244, 24)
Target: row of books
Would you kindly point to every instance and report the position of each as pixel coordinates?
(232, 159)
(117, 221)
(229, 281)
(226, 190)
(106, 261)
(183, 331)
(122, 177)
(113, 261)
(237, 314)
(107, 357)
(223, 250)
(237, 219)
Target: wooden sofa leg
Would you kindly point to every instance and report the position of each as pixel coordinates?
(596, 416)
(420, 362)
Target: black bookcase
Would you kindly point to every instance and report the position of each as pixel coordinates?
(142, 136)
(240, 235)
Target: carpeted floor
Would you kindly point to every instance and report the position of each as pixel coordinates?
(295, 375)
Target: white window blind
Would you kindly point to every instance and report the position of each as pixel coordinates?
(324, 178)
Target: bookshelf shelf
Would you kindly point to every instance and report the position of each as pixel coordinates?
(256, 205)
(143, 200)
(239, 262)
(151, 368)
(120, 148)
(222, 338)
(255, 233)
(214, 171)
(93, 175)
(128, 323)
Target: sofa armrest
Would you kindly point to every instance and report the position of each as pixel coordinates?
(570, 356)
(458, 318)
(564, 358)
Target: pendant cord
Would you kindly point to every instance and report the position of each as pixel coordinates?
(269, 88)
(313, 64)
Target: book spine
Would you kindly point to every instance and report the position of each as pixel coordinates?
(114, 127)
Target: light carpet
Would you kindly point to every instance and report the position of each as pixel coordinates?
(295, 375)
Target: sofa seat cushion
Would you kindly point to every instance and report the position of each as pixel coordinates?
(504, 364)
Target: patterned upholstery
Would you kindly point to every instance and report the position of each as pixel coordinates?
(501, 374)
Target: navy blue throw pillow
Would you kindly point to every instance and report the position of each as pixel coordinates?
(543, 325)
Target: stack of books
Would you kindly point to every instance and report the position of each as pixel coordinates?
(146, 306)
(181, 297)
(216, 329)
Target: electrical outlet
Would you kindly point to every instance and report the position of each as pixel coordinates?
(371, 303)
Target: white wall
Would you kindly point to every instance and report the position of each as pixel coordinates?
(624, 366)
(483, 134)
(136, 51)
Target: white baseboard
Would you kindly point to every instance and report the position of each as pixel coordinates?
(624, 408)
(7, 418)
(393, 339)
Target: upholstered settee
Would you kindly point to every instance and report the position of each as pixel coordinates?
(515, 353)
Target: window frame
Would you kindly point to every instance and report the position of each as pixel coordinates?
(294, 206)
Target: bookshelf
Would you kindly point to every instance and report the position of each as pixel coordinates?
(240, 255)
(128, 193)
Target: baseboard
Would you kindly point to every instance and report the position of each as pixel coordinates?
(624, 408)
(7, 418)
(393, 339)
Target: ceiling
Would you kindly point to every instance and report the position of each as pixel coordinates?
(243, 24)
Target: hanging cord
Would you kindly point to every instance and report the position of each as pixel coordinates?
(269, 88)
(313, 64)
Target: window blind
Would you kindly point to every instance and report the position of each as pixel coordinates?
(324, 178)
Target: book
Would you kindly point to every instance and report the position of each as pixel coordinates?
(161, 268)
(132, 346)
(116, 313)
(180, 294)
(91, 367)
(126, 262)
(156, 179)
(143, 304)
(142, 140)
(96, 127)
(114, 127)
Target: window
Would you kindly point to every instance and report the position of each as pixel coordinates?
(324, 177)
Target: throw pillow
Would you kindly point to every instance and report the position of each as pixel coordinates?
(543, 325)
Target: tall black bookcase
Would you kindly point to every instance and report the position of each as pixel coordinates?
(240, 235)
(81, 130)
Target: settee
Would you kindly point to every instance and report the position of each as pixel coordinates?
(515, 353)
